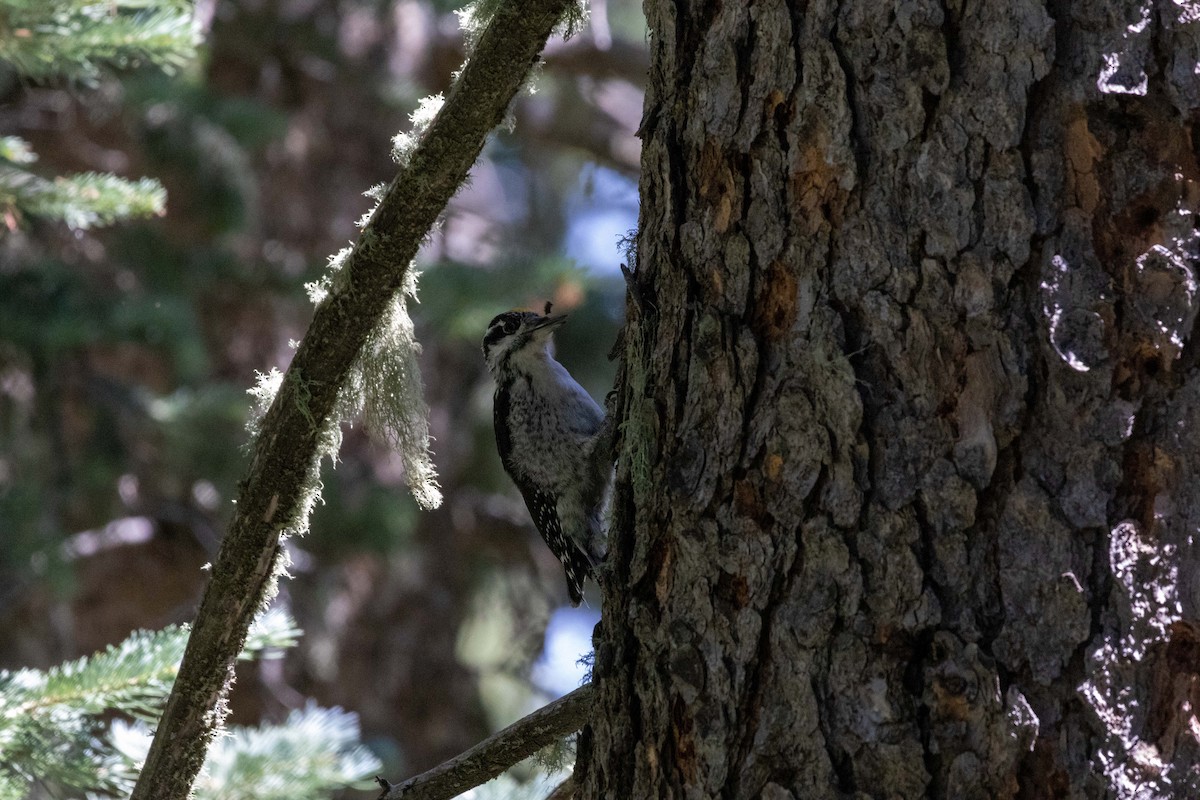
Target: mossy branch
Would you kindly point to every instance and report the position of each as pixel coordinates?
(498, 752)
(284, 463)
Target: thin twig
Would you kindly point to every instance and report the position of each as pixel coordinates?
(272, 495)
(498, 752)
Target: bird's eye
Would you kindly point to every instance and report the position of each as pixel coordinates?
(510, 328)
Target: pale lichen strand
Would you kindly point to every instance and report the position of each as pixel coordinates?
(404, 143)
(389, 378)
(383, 385)
(263, 393)
(334, 279)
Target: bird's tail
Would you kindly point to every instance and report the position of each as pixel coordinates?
(578, 569)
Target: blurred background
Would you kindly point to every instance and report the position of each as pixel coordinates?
(126, 353)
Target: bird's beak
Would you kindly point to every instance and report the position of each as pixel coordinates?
(549, 323)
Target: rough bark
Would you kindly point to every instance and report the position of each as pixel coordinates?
(271, 497)
(907, 481)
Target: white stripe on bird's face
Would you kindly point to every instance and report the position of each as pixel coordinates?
(515, 333)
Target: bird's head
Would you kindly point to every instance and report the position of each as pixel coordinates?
(515, 334)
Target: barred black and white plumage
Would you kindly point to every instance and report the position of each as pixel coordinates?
(553, 440)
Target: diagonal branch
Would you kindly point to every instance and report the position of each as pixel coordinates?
(498, 752)
(272, 494)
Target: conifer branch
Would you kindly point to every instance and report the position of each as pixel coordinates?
(52, 730)
(76, 39)
(85, 200)
(283, 469)
(498, 752)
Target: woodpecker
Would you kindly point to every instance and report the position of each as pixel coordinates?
(553, 439)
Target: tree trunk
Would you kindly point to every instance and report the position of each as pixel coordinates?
(908, 475)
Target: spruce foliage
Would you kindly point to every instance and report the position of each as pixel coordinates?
(76, 41)
(85, 200)
(317, 747)
(83, 726)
